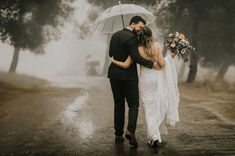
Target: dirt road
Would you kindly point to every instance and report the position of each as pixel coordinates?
(79, 121)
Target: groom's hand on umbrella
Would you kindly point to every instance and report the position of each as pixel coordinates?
(156, 66)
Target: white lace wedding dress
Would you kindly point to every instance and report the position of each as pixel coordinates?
(159, 96)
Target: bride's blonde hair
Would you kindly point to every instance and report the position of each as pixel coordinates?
(146, 40)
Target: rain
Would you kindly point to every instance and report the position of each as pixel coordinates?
(56, 99)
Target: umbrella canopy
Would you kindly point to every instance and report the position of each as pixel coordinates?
(117, 17)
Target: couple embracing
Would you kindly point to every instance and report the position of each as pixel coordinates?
(156, 86)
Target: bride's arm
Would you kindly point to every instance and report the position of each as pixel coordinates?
(173, 55)
(125, 64)
(161, 60)
(160, 57)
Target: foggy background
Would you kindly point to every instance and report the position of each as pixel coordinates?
(208, 24)
(56, 99)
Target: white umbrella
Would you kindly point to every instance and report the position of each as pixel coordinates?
(117, 17)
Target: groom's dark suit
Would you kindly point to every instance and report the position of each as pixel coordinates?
(124, 82)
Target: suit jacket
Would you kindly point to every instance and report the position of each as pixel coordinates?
(122, 44)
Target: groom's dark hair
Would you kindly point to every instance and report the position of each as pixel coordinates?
(137, 19)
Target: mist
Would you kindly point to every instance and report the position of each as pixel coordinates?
(59, 100)
(79, 43)
(66, 56)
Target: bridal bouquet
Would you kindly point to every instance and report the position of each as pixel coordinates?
(177, 43)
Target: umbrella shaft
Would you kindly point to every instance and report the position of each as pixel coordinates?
(122, 22)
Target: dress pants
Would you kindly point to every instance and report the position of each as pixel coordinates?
(125, 90)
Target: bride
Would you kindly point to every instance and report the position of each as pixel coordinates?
(158, 88)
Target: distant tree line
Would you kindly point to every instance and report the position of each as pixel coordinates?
(30, 24)
(209, 25)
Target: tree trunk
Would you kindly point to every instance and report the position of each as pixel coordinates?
(192, 68)
(224, 67)
(181, 72)
(107, 58)
(14, 60)
(194, 56)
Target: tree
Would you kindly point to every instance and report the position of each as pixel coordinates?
(208, 24)
(220, 47)
(184, 16)
(30, 24)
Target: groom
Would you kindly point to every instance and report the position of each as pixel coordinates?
(124, 82)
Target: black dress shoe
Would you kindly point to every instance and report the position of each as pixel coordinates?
(153, 143)
(131, 137)
(119, 139)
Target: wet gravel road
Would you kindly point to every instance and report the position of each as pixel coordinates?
(80, 122)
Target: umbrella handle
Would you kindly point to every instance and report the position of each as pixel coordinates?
(122, 22)
(122, 16)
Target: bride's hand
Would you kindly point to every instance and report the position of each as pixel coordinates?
(156, 66)
(173, 55)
